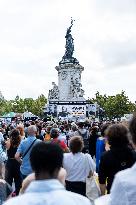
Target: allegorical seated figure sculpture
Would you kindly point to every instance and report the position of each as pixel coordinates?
(76, 90)
(54, 93)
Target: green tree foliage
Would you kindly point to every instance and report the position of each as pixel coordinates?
(19, 105)
(2, 105)
(114, 106)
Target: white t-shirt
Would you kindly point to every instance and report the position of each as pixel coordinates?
(1, 140)
(49, 192)
(123, 191)
(62, 137)
(1, 137)
(78, 166)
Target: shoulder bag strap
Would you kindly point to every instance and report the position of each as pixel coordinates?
(79, 133)
(28, 149)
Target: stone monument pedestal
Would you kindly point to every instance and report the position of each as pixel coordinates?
(69, 82)
(67, 99)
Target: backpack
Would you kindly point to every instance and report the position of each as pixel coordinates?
(85, 140)
(84, 136)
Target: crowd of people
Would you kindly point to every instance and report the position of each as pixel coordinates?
(49, 162)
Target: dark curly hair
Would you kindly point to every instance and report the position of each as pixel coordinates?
(15, 138)
(117, 135)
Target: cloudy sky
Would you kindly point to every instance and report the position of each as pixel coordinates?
(32, 42)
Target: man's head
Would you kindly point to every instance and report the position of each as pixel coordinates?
(132, 129)
(46, 160)
(54, 133)
(76, 144)
(48, 129)
(74, 127)
(32, 130)
(81, 125)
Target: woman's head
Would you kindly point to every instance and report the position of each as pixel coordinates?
(21, 130)
(103, 129)
(15, 138)
(76, 144)
(117, 136)
(94, 130)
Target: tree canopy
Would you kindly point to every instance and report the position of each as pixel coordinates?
(19, 105)
(114, 106)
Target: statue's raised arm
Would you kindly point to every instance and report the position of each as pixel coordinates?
(69, 43)
(69, 29)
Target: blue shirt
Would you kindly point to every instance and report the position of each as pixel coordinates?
(1, 140)
(49, 192)
(100, 148)
(25, 167)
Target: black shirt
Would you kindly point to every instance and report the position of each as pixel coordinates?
(113, 161)
(11, 152)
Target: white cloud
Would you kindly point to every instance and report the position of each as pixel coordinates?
(32, 44)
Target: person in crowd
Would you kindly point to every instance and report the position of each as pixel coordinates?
(78, 166)
(73, 130)
(11, 127)
(118, 158)
(5, 191)
(62, 134)
(66, 130)
(92, 140)
(2, 155)
(55, 126)
(20, 127)
(26, 125)
(46, 161)
(31, 177)
(39, 129)
(123, 190)
(100, 145)
(1, 134)
(125, 181)
(47, 136)
(5, 130)
(23, 152)
(84, 133)
(12, 165)
(54, 136)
